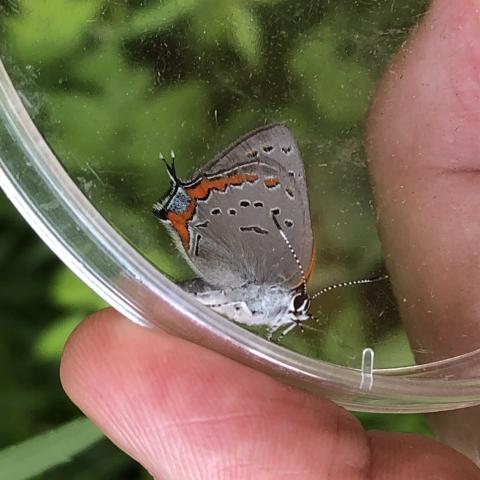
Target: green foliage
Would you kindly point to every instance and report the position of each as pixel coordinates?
(50, 342)
(246, 33)
(406, 423)
(393, 351)
(212, 22)
(69, 293)
(113, 83)
(47, 450)
(161, 16)
(340, 89)
(344, 334)
(75, 300)
(44, 33)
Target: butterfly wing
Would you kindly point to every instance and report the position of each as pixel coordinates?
(232, 237)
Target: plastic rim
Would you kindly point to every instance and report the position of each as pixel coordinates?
(67, 222)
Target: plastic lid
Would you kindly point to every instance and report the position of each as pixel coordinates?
(64, 218)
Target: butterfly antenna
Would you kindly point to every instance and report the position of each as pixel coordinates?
(170, 167)
(292, 251)
(351, 283)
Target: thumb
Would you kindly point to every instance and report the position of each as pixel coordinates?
(424, 147)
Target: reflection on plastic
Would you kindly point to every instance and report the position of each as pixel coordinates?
(366, 382)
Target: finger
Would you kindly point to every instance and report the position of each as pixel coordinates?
(424, 144)
(422, 459)
(185, 412)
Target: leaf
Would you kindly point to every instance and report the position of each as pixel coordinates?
(394, 350)
(345, 337)
(69, 291)
(38, 454)
(264, 2)
(50, 344)
(394, 422)
(339, 86)
(46, 31)
(159, 17)
(245, 33)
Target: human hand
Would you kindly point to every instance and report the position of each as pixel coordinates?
(424, 147)
(185, 412)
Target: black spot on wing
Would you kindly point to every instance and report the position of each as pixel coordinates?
(196, 247)
(254, 229)
(202, 224)
(275, 211)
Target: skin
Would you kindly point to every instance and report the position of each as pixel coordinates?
(423, 143)
(185, 412)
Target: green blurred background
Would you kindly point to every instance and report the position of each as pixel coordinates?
(110, 83)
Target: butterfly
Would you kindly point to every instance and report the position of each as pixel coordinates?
(243, 224)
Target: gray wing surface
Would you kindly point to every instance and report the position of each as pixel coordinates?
(234, 239)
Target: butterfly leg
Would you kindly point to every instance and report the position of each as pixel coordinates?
(288, 329)
(291, 324)
(272, 328)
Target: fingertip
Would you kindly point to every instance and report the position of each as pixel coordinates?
(84, 342)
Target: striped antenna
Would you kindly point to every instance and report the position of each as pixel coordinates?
(351, 283)
(170, 168)
(292, 251)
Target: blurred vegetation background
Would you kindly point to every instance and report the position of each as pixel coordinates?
(112, 83)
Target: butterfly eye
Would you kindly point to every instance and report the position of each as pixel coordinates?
(300, 303)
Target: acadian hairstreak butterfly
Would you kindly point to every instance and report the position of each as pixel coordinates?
(243, 224)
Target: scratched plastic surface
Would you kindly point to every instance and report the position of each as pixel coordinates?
(130, 82)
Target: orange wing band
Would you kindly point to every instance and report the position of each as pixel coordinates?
(271, 182)
(201, 191)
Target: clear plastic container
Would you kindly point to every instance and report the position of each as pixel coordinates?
(359, 355)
